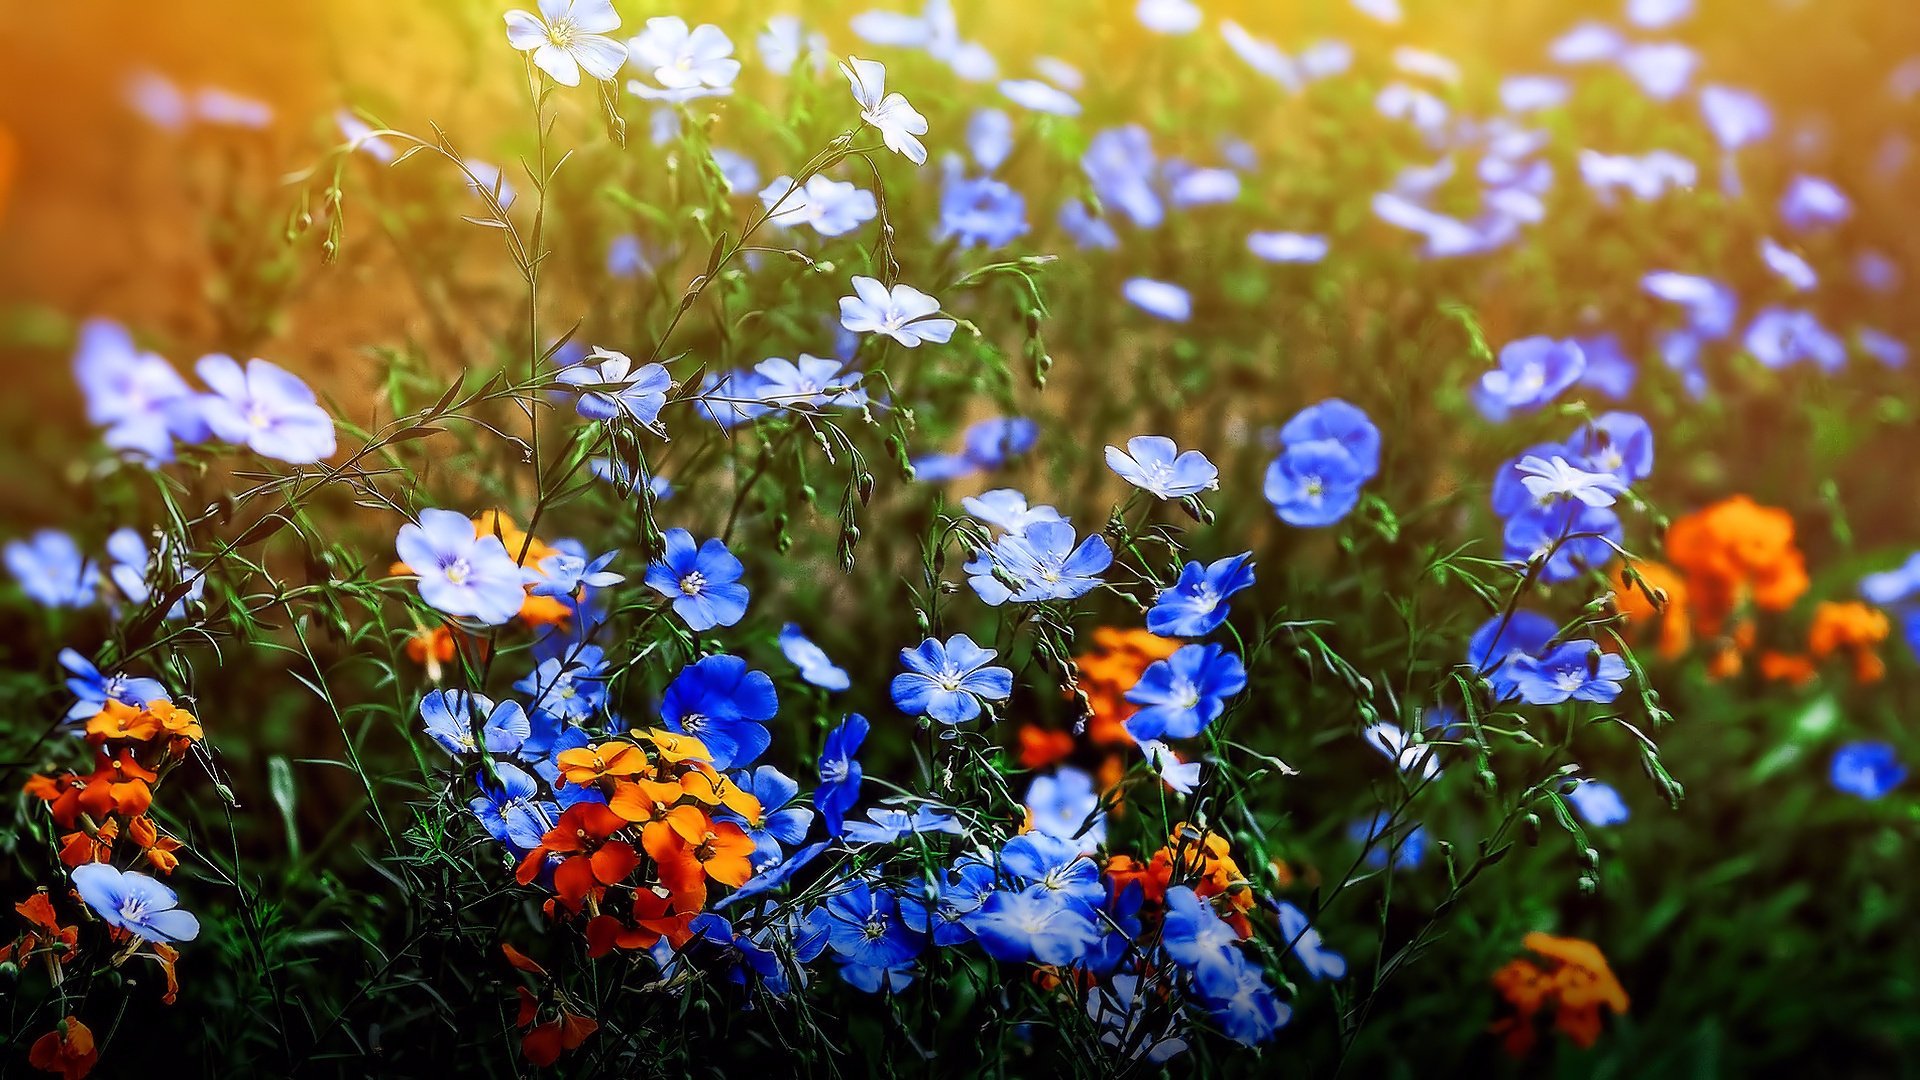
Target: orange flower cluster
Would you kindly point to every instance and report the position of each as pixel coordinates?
(133, 749)
(1200, 858)
(565, 1030)
(44, 937)
(661, 790)
(435, 647)
(1731, 559)
(1104, 676)
(1571, 977)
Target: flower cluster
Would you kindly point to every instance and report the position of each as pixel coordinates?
(1569, 981)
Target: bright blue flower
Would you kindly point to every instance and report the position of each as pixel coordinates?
(1598, 804)
(727, 400)
(1091, 232)
(1195, 936)
(135, 903)
(1181, 695)
(1155, 464)
(961, 892)
(991, 443)
(1782, 336)
(809, 381)
(1195, 605)
(1409, 846)
(1065, 805)
(770, 876)
(941, 468)
(1120, 164)
(778, 823)
(1573, 670)
(1159, 298)
(52, 571)
(1305, 944)
(266, 409)
(142, 402)
(979, 210)
(872, 980)
(563, 574)
(133, 564)
(1581, 538)
(1608, 368)
(1120, 1013)
(865, 927)
(1501, 640)
(459, 573)
(448, 715)
(1532, 372)
(885, 825)
(610, 386)
(512, 810)
(1041, 564)
(1007, 510)
(92, 689)
(1890, 587)
(1058, 865)
(815, 665)
(1812, 202)
(949, 681)
(703, 582)
(1034, 923)
(1620, 443)
(903, 313)
(1189, 186)
(1711, 307)
(717, 700)
(1342, 422)
(840, 773)
(1242, 1002)
(1867, 769)
(573, 686)
(1314, 483)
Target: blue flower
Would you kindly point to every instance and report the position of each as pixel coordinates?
(1889, 587)
(1305, 944)
(1155, 464)
(1120, 164)
(1344, 423)
(133, 565)
(1041, 97)
(1782, 336)
(980, 210)
(266, 409)
(1502, 640)
(1159, 298)
(610, 386)
(1407, 845)
(809, 381)
(1091, 232)
(1580, 537)
(885, 825)
(135, 903)
(1867, 769)
(832, 207)
(778, 823)
(1195, 605)
(512, 810)
(1240, 1000)
(573, 686)
(52, 571)
(1288, 247)
(448, 716)
(949, 681)
(1066, 806)
(1573, 670)
(728, 400)
(902, 313)
(1181, 695)
(92, 689)
(1710, 306)
(1007, 510)
(703, 582)
(459, 573)
(961, 892)
(1662, 68)
(990, 137)
(864, 927)
(1608, 368)
(717, 700)
(1812, 202)
(1196, 937)
(1034, 923)
(840, 773)
(1059, 865)
(1598, 804)
(1620, 443)
(141, 401)
(1041, 564)
(991, 443)
(1314, 483)
(565, 573)
(815, 665)
(684, 64)
(1532, 372)
(1789, 265)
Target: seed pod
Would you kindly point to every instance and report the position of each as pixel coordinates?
(1530, 828)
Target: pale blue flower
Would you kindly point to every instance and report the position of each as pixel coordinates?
(569, 36)
(1042, 564)
(890, 114)
(832, 207)
(902, 313)
(135, 903)
(683, 64)
(1153, 463)
(1159, 298)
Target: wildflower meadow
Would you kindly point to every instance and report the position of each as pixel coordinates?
(850, 537)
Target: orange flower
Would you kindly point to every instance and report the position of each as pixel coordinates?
(676, 747)
(166, 956)
(585, 765)
(1669, 628)
(1736, 552)
(9, 155)
(174, 720)
(1041, 747)
(722, 853)
(1106, 674)
(651, 923)
(43, 933)
(594, 860)
(1851, 628)
(1575, 981)
(1153, 878)
(1792, 668)
(80, 847)
(67, 1050)
(117, 720)
(158, 849)
(544, 1043)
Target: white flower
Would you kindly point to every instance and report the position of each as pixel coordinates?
(686, 64)
(1182, 778)
(568, 36)
(1555, 479)
(1391, 741)
(903, 313)
(890, 114)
